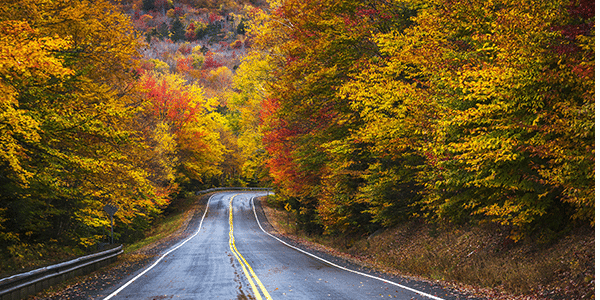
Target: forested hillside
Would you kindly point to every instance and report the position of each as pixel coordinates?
(376, 112)
(111, 103)
(360, 114)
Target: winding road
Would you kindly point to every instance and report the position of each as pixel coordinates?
(231, 256)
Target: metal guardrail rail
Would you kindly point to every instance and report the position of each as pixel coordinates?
(233, 189)
(22, 285)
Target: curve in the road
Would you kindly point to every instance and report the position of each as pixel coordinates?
(249, 272)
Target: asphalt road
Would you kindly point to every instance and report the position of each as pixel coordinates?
(231, 257)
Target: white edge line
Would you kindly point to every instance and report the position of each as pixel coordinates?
(163, 256)
(340, 267)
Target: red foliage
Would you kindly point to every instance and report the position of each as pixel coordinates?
(584, 9)
(161, 4)
(349, 22)
(366, 12)
(184, 65)
(147, 65)
(581, 23)
(210, 62)
(248, 43)
(224, 45)
(279, 142)
(237, 44)
(214, 17)
(279, 12)
(179, 11)
(169, 104)
(190, 35)
(185, 49)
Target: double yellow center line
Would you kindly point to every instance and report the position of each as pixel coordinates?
(245, 265)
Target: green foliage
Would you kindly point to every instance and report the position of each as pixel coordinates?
(177, 31)
(161, 31)
(83, 125)
(148, 5)
(310, 127)
(492, 72)
(210, 30)
(197, 60)
(362, 114)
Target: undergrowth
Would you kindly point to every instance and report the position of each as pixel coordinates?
(25, 257)
(486, 257)
(180, 212)
(163, 229)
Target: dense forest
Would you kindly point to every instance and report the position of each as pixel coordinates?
(105, 103)
(360, 114)
(376, 112)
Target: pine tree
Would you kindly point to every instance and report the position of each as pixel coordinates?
(148, 5)
(177, 30)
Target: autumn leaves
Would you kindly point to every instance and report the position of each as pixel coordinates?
(378, 111)
(361, 113)
(81, 127)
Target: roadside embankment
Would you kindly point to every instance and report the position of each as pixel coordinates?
(482, 261)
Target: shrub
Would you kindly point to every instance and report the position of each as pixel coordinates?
(236, 45)
(185, 48)
(197, 60)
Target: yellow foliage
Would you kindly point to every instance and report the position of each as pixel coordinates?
(24, 57)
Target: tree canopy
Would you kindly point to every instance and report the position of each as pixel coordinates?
(82, 126)
(379, 111)
(361, 114)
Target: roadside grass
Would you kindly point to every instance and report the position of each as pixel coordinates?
(161, 230)
(482, 261)
(168, 226)
(485, 258)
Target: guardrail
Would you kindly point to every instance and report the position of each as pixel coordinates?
(233, 189)
(22, 285)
